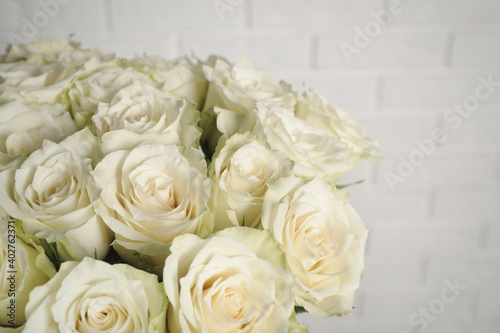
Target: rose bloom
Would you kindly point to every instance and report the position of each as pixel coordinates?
(242, 170)
(81, 58)
(150, 194)
(38, 50)
(32, 82)
(94, 296)
(98, 84)
(52, 193)
(324, 241)
(179, 76)
(234, 281)
(315, 109)
(314, 151)
(238, 87)
(20, 272)
(144, 109)
(23, 128)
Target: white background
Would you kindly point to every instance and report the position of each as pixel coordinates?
(440, 224)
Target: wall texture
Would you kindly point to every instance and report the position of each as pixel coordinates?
(422, 76)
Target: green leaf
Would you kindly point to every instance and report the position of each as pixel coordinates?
(141, 263)
(300, 309)
(113, 257)
(43, 262)
(51, 252)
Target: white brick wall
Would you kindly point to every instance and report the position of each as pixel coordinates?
(443, 222)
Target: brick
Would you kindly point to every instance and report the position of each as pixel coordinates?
(72, 17)
(480, 129)
(400, 269)
(157, 15)
(476, 49)
(448, 11)
(311, 14)
(390, 48)
(449, 327)
(438, 90)
(396, 305)
(270, 51)
(394, 173)
(452, 267)
(471, 269)
(467, 202)
(339, 324)
(129, 44)
(493, 235)
(463, 166)
(11, 13)
(483, 328)
(488, 304)
(405, 127)
(379, 203)
(425, 299)
(423, 239)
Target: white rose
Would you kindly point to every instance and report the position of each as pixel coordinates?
(143, 109)
(315, 109)
(52, 194)
(99, 85)
(242, 170)
(324, 241)
(234, 281)
(150, 194)
(23, 129)
(94, 296)
(179, 76)
(20, 272)
(42, 84)
(39, 50)
(314, 151)
(239, 88)
(82, 57)
(47, 51)
(65, 51)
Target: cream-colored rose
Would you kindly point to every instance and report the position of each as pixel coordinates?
(81, 58)
(23, 128)
(94, 296)
(143, 109)
(179, 76)
(324, 241)
(98, 84)
(314, 151)
(48, 51)
(52, 193)
(41, 50)
(238, 88)
(19, 273)
(316, 110)
(150, 194)
(242, 170)
(234, 281)
(32, 82)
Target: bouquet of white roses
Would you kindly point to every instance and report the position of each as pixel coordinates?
(146, 195)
